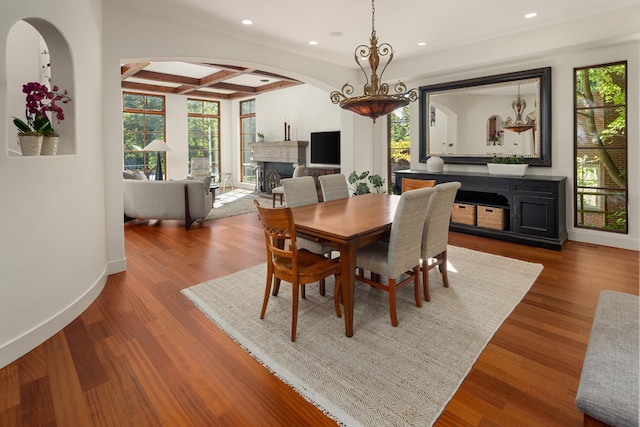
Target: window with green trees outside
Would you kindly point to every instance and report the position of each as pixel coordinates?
(600, 143)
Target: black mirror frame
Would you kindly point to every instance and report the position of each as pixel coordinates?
(544, 74)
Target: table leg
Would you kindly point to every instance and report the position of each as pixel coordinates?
(348, 273)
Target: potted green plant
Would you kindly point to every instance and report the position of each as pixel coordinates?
(360, 183)
(40, 101)
(260, 136)
(512, 165)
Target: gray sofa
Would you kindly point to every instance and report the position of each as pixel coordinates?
(189, 200)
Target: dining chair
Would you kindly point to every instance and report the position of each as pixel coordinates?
(301, 192)
(287, 262)
(279, 191)
(412, 183)
(333, 186)
(435, 235)
(401, 254)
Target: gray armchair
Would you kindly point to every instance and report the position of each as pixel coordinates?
(401, 254)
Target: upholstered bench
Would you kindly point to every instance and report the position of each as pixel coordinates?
(608, 390)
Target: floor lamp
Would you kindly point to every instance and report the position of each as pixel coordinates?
(158, 146)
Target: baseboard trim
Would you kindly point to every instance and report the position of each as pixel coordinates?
(13, 350)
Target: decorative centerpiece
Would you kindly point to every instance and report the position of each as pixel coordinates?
(37, 128)
(508, 165)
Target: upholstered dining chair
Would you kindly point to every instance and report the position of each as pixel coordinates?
(412, 183)
(333, 187)
(435, 235)
(279, 191)
(401, 254)
(285, 261)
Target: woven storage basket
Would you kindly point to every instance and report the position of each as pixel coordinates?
(463, 213)
(490, 217)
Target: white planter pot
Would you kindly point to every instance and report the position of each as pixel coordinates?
(507, 169)
(30, 144)
(49, 146)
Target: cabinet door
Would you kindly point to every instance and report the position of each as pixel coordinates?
(535, 215)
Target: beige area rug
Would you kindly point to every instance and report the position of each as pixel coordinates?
(382, 376)
(236, 202)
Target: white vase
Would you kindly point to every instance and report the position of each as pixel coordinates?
(435, 164)
(49, 146)
(30, 144)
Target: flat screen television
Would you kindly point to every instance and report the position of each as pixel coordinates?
(325, 148)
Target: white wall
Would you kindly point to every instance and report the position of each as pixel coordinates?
(52, 219)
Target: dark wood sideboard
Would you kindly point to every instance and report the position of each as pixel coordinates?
(534, 206)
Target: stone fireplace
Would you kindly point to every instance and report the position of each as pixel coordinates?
(276, 160)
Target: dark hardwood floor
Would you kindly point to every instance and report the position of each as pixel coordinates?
(143, 355)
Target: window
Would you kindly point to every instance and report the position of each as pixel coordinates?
(143, 120)
(204, 132)
(247, 135)
(601, 147)
(399, 143)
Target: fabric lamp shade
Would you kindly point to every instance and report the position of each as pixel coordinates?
(158, 146)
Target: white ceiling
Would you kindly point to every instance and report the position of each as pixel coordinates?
(291, 25)
(441, 24)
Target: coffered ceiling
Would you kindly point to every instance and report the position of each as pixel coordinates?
(201, 80)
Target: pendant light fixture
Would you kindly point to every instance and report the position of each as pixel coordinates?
(519, 125)
(376, 100)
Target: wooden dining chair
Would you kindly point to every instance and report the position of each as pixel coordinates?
(401, 254)
(412, 183)
(435, 235)
(286, 262)
(300, 192)
(334, 187)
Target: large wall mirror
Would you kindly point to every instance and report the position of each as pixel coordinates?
(470, 121)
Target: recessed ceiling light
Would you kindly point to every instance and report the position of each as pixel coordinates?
(247, 22)
(313, 42)
(531, 15)
(422, 43)
(335, 34)
(264, 80)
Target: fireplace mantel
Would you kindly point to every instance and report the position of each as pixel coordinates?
(280, 151)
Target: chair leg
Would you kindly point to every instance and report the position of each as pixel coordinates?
(276, 287)
(337, 289)
(416, 286)
(425, 280)
(392, 302)
(273, 201)
(294, 312)
(267, 291)
(443, 269)
(322, 287)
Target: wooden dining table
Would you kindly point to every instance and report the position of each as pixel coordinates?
(347, 224)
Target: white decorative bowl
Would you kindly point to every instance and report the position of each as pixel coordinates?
(507, 169)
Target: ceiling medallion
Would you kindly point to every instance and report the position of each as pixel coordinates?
(376, 100)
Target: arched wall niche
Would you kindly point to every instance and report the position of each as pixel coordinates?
(29, 42)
